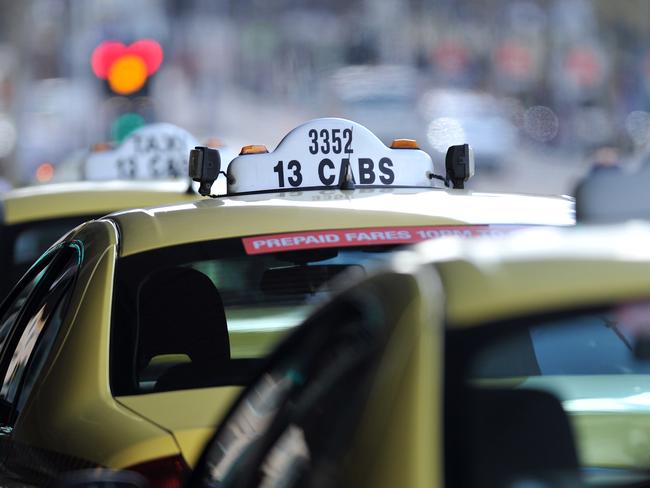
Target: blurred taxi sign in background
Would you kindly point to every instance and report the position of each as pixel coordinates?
(155, 151)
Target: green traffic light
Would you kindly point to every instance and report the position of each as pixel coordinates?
(124, 125)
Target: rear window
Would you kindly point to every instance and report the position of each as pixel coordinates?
(204, 314)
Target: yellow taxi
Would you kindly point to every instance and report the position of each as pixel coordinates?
(517, 361)
(127, 339)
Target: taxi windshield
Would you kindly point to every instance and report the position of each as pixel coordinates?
(204, 314)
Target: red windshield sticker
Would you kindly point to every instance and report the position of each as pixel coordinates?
(372, 236)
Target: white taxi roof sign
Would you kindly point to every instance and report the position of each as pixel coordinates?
(154, 151)
(328, 153)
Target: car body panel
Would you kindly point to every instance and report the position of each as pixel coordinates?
(194, 427)
(399, 442)
(569, 270)
(87, 198)
(73, 412)
(286, 212)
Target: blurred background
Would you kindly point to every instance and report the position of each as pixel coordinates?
(539, 88)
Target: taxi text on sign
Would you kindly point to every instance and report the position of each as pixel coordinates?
(315, 155)
(156, 151)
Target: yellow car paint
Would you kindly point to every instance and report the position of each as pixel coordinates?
(541, 269)
(184, 414)
(272, 213)
(74, 412)
(86, 198)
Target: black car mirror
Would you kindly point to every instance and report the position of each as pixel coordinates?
(204, 167)
(459, 164)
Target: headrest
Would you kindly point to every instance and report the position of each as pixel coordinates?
(181, 311)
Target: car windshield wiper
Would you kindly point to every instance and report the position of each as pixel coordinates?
(613, 325)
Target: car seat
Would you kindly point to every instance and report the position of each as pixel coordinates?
(180, 311)
(518, 436)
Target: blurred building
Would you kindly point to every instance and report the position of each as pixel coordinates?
(249, 70)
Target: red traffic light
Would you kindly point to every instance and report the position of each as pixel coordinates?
(126, 67)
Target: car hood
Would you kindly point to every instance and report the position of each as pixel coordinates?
(191, 416)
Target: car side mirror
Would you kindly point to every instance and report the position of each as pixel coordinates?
(459, 164)
(204, 167)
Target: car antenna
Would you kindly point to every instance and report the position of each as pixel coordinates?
(347, 178)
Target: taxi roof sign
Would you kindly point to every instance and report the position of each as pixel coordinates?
(154, 151)
(330, 153)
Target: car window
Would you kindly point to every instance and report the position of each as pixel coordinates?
(578, 383)
(23, 243)
(38, 327)
(205, 313)
(14, 304)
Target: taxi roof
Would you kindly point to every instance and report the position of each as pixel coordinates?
(86, 198)
(541, 270)
(147, 229)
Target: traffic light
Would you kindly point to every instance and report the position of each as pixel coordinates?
(126, 68)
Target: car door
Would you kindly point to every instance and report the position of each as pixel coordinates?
(34, 313)
(348, 399)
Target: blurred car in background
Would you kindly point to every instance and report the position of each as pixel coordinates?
(148, 168)
(153, 151)
(381, 97)
(33, 218)
(454, 116)
(613, 190)
(128, 338)
(459, 363)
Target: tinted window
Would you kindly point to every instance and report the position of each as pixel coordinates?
(58, 302)
(557, 398)
(22, 244)
(14, 305)
(586, 344)
(202, 314)
(39, 325)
